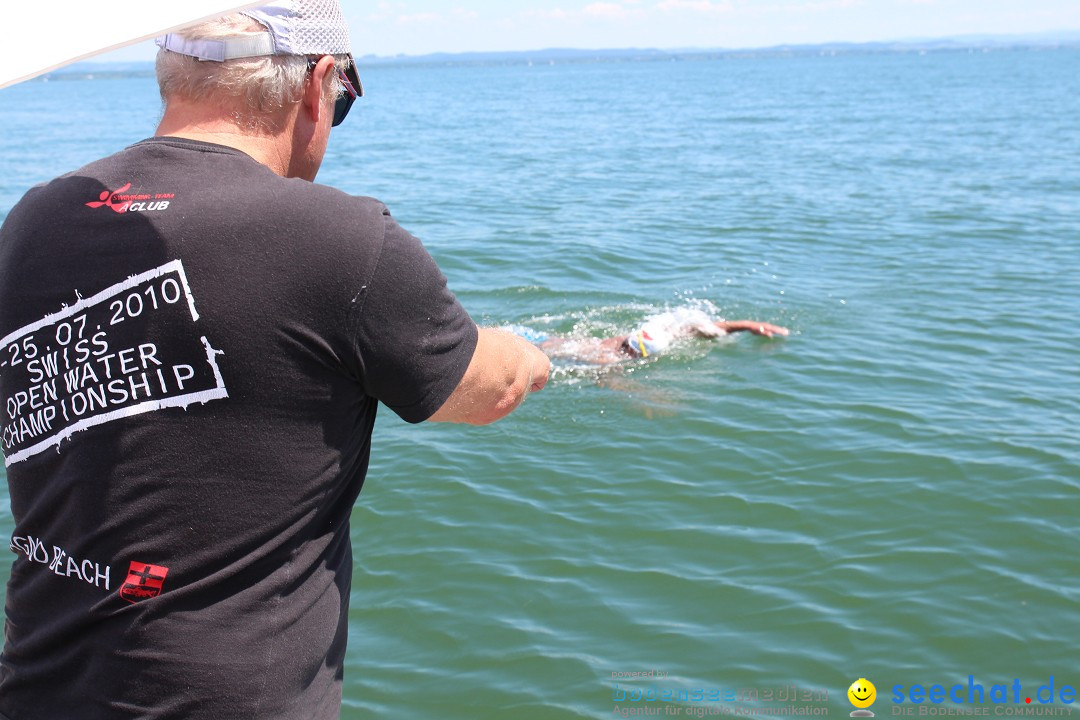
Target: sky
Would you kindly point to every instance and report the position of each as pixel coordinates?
(414, 27)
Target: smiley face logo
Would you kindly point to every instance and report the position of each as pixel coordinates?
(862, 693)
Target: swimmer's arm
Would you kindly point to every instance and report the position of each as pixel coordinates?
(503, 370)
(753, 326)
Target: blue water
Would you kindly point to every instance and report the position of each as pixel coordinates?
(889, 493)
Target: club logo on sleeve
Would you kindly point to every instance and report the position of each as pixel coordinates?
(143, 582)
(122, 201)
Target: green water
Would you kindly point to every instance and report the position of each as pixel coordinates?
(889, 493)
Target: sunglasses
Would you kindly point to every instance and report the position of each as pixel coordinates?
(353, 89)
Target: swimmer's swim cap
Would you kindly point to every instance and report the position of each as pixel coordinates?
(658, 332)
(642, 344)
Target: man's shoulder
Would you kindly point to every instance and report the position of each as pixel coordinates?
(316, 216)
(310, 195)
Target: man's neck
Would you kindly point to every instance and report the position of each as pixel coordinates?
(192, 122)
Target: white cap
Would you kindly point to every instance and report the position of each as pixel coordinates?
(295, 27)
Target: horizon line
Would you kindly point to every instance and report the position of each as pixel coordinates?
(968, 40)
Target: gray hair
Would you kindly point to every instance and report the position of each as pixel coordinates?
(254, 91)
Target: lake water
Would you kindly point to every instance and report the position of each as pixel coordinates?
(889, 493)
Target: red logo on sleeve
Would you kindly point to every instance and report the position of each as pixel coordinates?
(123, 201)
(112, 200)
(143, 582)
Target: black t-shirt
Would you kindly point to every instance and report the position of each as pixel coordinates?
(193, 351)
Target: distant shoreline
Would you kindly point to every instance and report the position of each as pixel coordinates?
(969, 44)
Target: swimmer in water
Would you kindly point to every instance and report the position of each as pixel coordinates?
(652, 337)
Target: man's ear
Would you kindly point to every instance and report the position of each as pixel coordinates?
(315, 91)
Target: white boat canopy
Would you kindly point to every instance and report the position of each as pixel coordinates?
(35, 39)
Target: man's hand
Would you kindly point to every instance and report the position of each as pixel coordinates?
(504, 369)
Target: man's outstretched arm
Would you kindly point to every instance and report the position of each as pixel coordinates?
(503, 370)
(753, 326)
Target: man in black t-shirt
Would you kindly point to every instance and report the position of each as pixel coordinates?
(195, 338)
